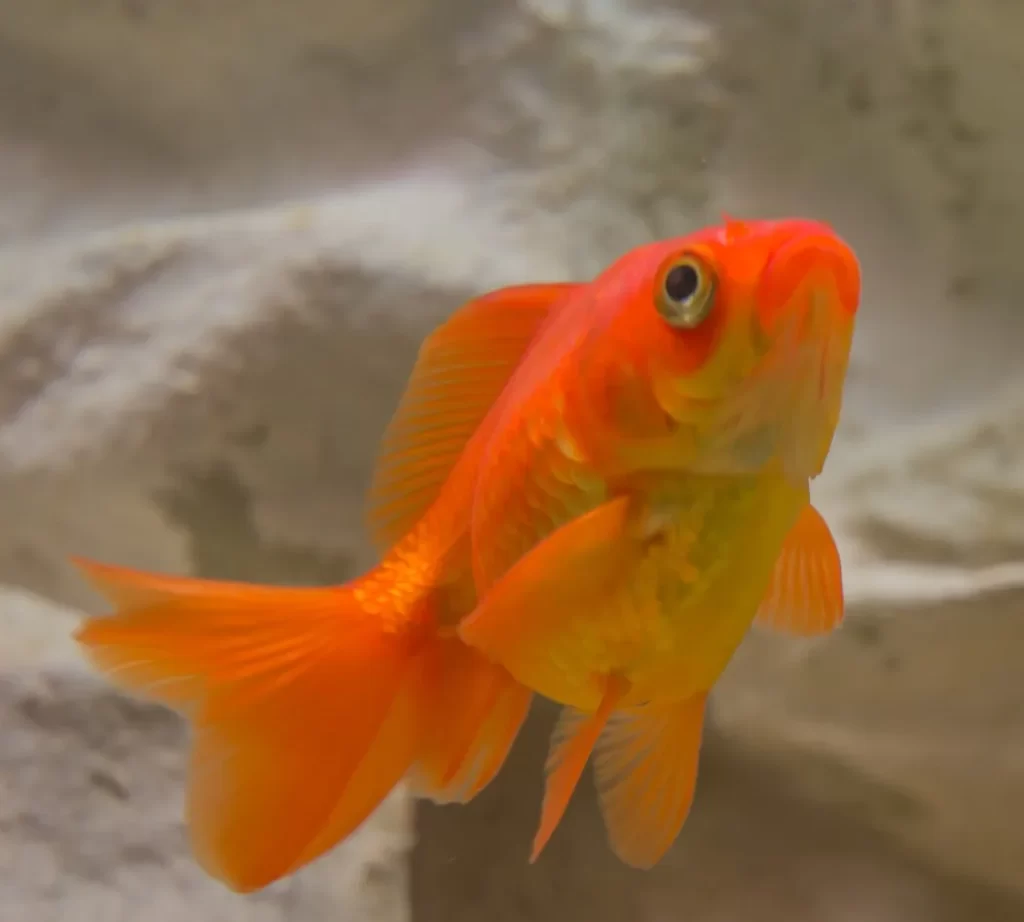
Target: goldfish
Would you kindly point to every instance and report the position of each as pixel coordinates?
(588, 492)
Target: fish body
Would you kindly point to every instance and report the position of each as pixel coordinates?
(588, 491)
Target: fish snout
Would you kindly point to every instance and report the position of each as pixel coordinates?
(810, 293)
(811, 283)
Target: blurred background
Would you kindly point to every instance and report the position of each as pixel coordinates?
(224, 229)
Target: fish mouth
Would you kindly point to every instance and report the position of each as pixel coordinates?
(785, 411)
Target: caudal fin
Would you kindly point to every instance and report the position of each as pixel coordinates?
(306, 709)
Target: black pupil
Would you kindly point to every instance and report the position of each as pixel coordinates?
(681, 283)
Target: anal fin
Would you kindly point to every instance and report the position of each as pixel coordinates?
(645, 766)
(476, 712)
(572, 741)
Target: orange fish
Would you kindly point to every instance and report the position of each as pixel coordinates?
(589, 491)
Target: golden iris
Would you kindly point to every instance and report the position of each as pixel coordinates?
(686, 292)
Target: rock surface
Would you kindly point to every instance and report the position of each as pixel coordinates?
(223, 232)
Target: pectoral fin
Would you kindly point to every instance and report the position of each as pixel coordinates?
(805, 594)
(543, 619)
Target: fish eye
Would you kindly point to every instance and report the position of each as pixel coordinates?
(685, 292)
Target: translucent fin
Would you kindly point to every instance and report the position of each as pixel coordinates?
(805, 595)
(573, 739)
(461, 370)
(645, 767)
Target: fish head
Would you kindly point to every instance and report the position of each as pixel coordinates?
(741, 335)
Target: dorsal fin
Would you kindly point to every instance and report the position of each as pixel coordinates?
(461, 370)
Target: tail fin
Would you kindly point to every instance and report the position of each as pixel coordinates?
(307, 710)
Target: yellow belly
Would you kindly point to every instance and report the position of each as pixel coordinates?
(675, 622)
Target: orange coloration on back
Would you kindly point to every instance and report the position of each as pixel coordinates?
(589, 491)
